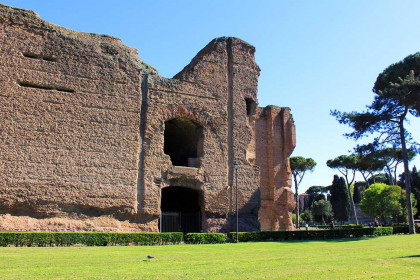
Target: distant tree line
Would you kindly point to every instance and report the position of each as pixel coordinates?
(381, 195)
(396, 96)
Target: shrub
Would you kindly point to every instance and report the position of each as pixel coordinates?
(205, 238)
(350, 226)
(400, 229)
(87, 238)
(306, 216)
(309, 235)
(405, 229)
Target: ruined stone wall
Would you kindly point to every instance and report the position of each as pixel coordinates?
(69, 111)
(275, 142)
(210, 90)
(82, 133)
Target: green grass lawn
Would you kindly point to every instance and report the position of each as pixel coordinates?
(388, 257)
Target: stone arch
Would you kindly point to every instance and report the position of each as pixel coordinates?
(200, 116)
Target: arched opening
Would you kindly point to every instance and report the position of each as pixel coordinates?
(180, 210)
(183, 142)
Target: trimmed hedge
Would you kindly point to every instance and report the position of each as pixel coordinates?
(43, 239)
(309, 235)
(205, 238)
(404, 229)
(350, 226)
(87, 238)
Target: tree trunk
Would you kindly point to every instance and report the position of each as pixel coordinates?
(366, 180)
(390, 175)
(353, 206)
(395, 176)
(297, 202)
(383, 219)
(411, 226)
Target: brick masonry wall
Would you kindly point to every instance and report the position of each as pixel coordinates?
(69, 110)
(82, 133)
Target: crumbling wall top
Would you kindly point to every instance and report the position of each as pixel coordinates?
(32, 22)
(216, 45)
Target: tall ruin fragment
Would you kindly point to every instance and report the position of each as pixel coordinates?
(92, 138)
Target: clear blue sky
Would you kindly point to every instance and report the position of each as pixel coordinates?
(314, 55)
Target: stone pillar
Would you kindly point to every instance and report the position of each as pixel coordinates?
(275, 141)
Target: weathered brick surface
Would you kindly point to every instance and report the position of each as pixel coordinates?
(82, 133)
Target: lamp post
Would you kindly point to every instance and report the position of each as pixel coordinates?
(236, 164)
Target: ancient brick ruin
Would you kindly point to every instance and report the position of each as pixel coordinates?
(92, 138)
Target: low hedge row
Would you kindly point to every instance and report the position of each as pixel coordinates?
(205, 238)
(404, 229)
(350, 226)
(113, 239)
(87, 238)
(309, 235)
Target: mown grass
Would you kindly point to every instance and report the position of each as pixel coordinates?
(388, 257)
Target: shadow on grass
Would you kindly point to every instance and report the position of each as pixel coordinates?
(412, 256)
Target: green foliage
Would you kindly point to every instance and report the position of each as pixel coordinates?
(306, 216)
(301, 164)
(340, 199)
(313, 189)
(371, 203)
(315, 193)
(310, 235)
(402, 76)
(395, 71)
(415, 185)
(357, 196)
(317, 189)
(384, 201)
(349, 226)
(402, 215)
(42, 239)
(361, 186)
(343, 161)
(368, 164)
(398, 229)
(397, 92)
(318, 197)
(393, 157)
(346, 165)
(322, 211)
(205, 238)
(381, 178)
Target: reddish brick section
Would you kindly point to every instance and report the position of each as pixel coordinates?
(82, 134)
(276, 129)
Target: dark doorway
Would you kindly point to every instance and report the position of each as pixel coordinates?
(183, 141)
(180, 210)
